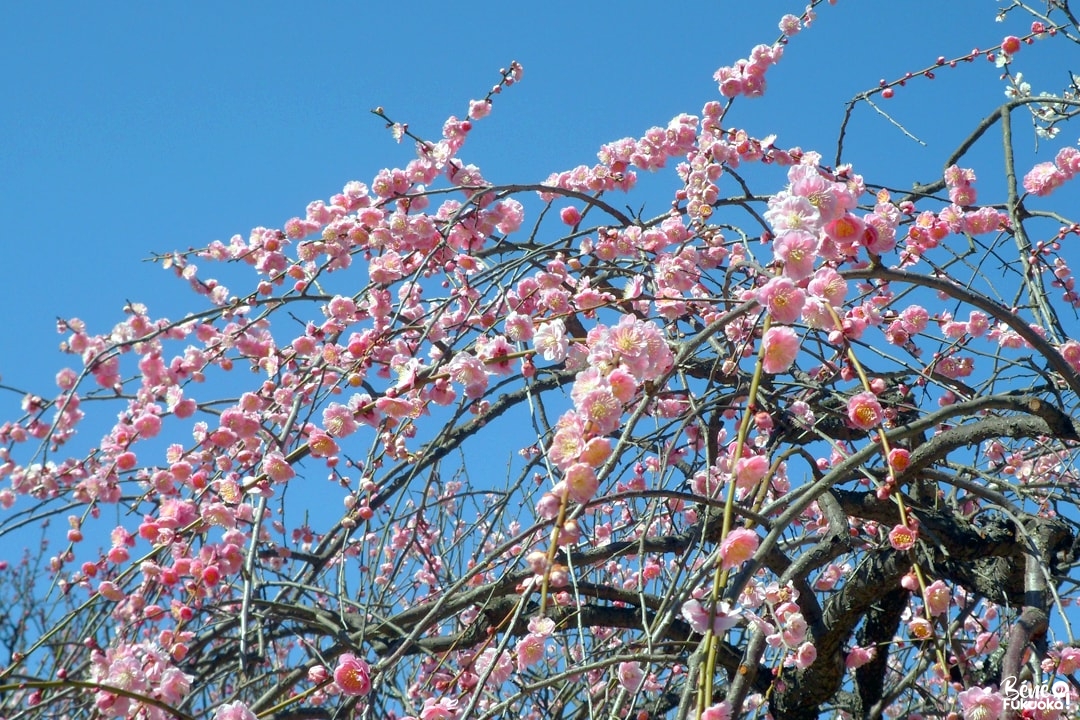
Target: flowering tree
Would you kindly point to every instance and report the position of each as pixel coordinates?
(798, 443)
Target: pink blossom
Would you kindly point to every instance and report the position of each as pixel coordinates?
(541, 625)
(175, 513)
(781, 346)
(791, 212)
(959, 182)
(398, 407)
(386, 268)
(529, 651)
(352, 675)
(830, 199)
(234, 711)
(963, 195)
(937, 597)
(67, 379)
(981, 703)
(596, 451)
(570, 215)
(697, 614)
(864, 411)
(859, 656)
(551, 341)
(537, 561)
(790, 25)
(879, 235)
(797, 249)
(631, 676)
(719, 711)
(341, 308)
(828, 284)
(276, 467)
(984, 220)
(547, 507)
(729, 81)
(902, 538)
(148, 425)
(783, 299)
(173, 685)
(830, 576)
(1069, 662)
(846, 232)
(494, 352)
(896, 334)
(1071, 352)
(899, 459)
(442, 709)
(805, 655)
(511, 214)
(225, 436)
(568, 442)
(750, 470)
(581, 482)
(914, 318)
(589, 298)
(920, 628)
(638, 346)
(519, 327)
(338, 420)
(623, 385)
(1068, 161)
(479, 109)
(793, 625)
(603, 410)
(956, 175)
(1043, 179)
(497, 663)
(738, 547)
(321, 444)
(468, 370)
(707, 484)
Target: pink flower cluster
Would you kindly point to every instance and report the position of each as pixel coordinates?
(958, 182)
(747, 77)
(813, 222)
(911, 321)
(143, 669)
(1046, 177)
(654, 149)
(620, 359)
(531, 648)
(1063, 660)
(613, 172)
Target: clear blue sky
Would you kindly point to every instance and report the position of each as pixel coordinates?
(129, 128)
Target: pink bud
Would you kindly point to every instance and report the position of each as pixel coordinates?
(570, 215)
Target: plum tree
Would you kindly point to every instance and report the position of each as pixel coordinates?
(799, 443)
